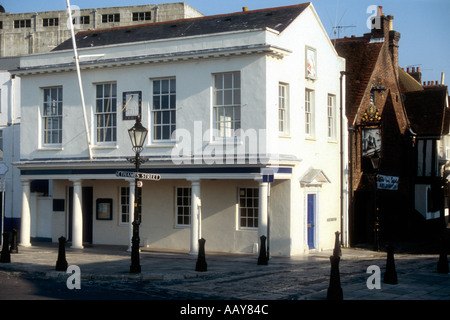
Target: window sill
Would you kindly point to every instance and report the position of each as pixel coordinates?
(49, 148)
(104, 147)
(165, 144)
(284, 136)
(225, 142)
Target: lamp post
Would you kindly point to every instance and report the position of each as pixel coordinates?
(137, 135)
(376, 166)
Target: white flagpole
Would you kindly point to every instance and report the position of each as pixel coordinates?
(77, 63)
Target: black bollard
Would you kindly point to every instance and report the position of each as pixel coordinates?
(61, 263)
(14, 248)
(334, 290)
(337, 245)
(390, 276)
(5, 255)
(262, 259)
(442, 266)
(201, 260)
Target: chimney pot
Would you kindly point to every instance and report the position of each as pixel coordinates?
(407, 69)
(418, 69)
(380, 11)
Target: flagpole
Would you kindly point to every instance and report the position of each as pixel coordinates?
(77, 64)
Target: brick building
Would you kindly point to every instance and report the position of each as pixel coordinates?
(379, 135)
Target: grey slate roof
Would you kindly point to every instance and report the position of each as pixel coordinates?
(274, 18)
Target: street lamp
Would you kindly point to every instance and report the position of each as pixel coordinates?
(376, 166)
(137, 135)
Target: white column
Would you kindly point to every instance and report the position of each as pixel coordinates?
(131, 213)
(25, 220)
(77, 216)
(195, 216)
(263, 213)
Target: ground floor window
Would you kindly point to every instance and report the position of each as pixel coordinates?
(124, 205)
(183, 207)
(248, 207)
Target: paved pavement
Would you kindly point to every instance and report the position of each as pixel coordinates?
(237, 276)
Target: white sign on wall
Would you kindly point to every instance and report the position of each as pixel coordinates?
(387, 182)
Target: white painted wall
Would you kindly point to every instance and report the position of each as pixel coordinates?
(260, 75)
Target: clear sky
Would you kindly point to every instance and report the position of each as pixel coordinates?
(424, 25)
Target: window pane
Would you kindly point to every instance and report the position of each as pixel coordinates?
(228, 81)
(218, 80)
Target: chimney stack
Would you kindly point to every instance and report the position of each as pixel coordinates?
(244, 9)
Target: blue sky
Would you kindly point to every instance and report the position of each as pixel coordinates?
(424, 25)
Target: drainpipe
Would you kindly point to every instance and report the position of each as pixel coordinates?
(344, 215)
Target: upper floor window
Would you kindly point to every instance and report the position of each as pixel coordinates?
(25, 23)
(114, 17)
(227, 104)
(106, 113)
(82, 20)
(50, 22)
(52, 115)
(164, 108)
(309, 113)
(142, 16)
(427, 158)
(283, 108)
(331, 113)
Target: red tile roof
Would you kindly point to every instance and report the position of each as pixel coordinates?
(361, 57)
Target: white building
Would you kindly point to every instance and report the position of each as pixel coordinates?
(10, 186)
(223, 97)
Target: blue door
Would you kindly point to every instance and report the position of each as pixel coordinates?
(311, 208)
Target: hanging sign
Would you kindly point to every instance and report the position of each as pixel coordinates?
(387, 182)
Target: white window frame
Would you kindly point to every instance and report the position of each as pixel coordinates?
(309, 113)
(283, 109)
(183, 206)
(164, 117)
(226, 105)
(102, 113)
(249, 205)
(331, 117)
(49, 118)
(124, 205)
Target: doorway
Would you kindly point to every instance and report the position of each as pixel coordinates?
(311, 219)
(87, 202)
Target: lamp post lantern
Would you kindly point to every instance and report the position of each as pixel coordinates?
(137, 133)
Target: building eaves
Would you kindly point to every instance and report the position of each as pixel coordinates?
(277, 19)
(160, 58)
